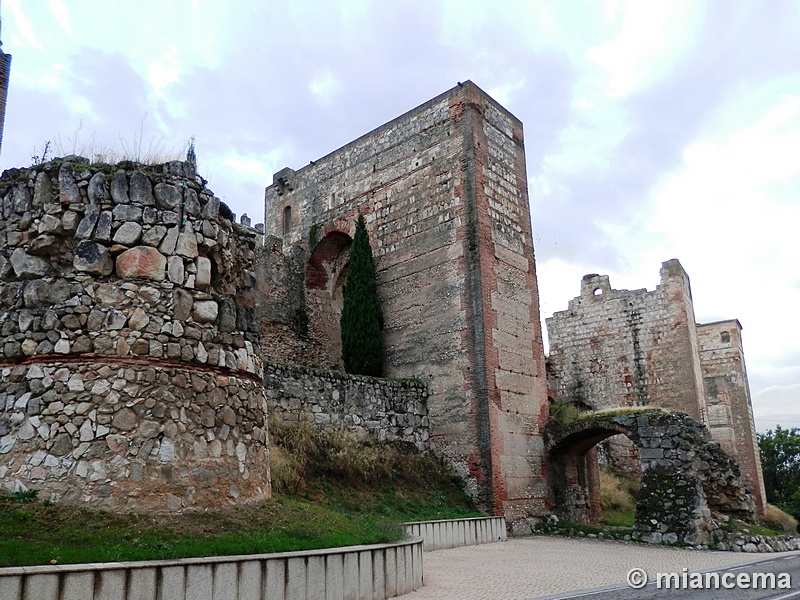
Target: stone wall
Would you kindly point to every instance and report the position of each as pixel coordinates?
(636, 348)
(282, 313)
(443, 192)
(730, 412)
(629, 347)
(689, 484)
(375, 572)
(131, 358)
(370, 408)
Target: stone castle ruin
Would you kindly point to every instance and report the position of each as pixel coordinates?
(146, 336)
(616, 348)
(131, 373)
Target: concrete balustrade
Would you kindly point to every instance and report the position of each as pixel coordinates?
(373, 572)
(353, 573)
(453, 533)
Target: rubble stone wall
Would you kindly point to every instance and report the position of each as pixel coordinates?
(282, 313)
(367, 407)
(688, 481)
(614, 348)
(131, 362)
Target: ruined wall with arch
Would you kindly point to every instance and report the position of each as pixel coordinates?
(130, 369)
(615, 348)
(690, 486)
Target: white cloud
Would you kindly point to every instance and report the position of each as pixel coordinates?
(776, 405)
(23, 30)
(61, 14)
(651, 38)
(248, 166)
(164, 70)
(503, 92)
(736, 191)
(325, 87)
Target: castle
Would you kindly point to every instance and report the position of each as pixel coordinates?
(147, 335)
(614, 348)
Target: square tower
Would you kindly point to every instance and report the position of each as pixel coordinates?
(443, 189)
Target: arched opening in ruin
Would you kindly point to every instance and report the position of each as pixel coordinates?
(687, 480)
(575, 464)
(326, 271)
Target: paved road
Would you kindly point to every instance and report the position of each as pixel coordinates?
(551, 567)
(764, 580)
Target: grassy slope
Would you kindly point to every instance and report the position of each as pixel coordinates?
(358, 496)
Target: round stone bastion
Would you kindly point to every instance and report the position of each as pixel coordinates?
(130, 370)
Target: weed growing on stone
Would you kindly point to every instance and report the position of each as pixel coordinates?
(391, 479)
(618, 498)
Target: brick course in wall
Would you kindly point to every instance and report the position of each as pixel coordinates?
(443, 192)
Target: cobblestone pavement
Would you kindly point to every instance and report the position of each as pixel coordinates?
(539, 567)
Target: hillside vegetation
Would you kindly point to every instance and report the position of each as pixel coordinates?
(330, 491)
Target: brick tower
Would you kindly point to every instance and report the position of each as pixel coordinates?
(443, 190)
(5, 69)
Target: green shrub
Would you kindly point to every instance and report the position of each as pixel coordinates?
(563, 412)
(362, 320)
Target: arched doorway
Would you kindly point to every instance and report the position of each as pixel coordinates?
(687, 480)
(326, 270)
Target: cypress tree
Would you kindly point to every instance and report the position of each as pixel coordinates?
(362, 321)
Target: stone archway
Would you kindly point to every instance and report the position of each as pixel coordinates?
(326, 270)
(688, 482)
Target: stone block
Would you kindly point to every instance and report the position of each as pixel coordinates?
(173, 582)
(26, 266)
(175, 270)
(167, 245)
(275, 584)
(111, 585)
(366, 587)
(200, 582)
(186, 244)
(141, 262)
(225, 581)
(202, 279)
(68, 188)
(141, 190)
(295, 578)
(143, 584)
(93, 258)
(119, 188)
(205, 311)
(168, 196)
(96, 189)
(315, 577)
(249, 581)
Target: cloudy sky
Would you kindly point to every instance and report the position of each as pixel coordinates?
(654, 130)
